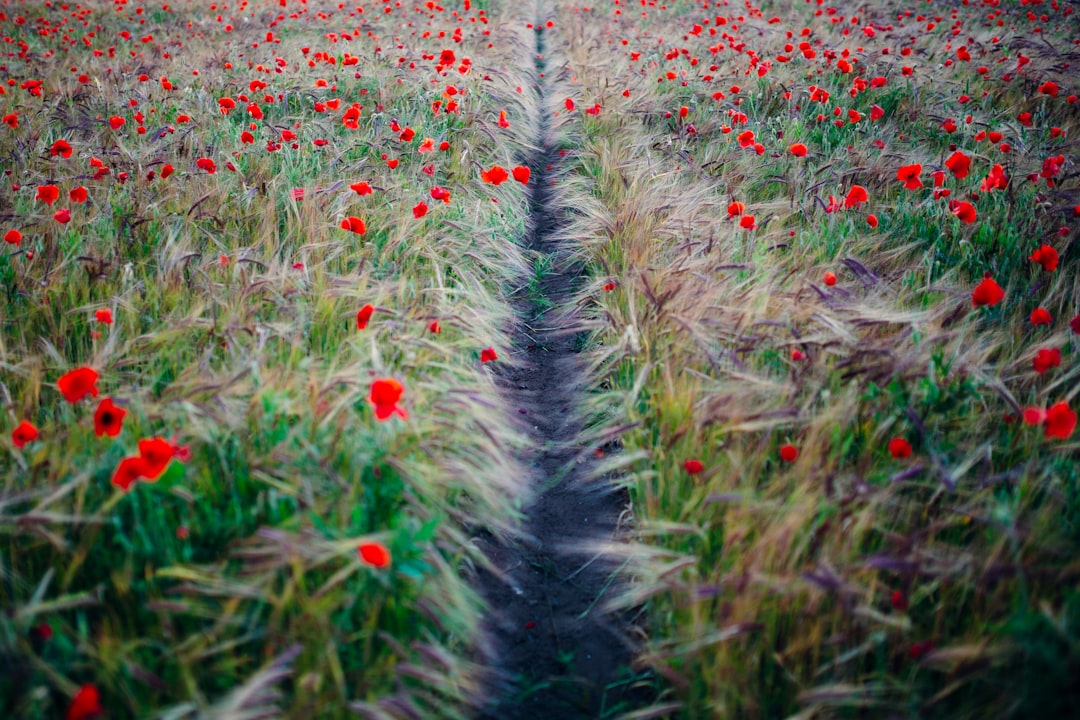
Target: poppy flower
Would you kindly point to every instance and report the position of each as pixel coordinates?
(384, 397)
(496, 175)
(128, 471)
(434, 328)
(62, 216)
(108, 419)
(247, 138)
(987, 292)
(419, 210)
(899, 448)
(60, 147)
(898, 600)
(354, 224)
(745, 138)
(1059, 421)
(995, 180)
(856, 196)
(830, 279)
(11, 120)
(789, 453)
(156, 453)
(569, 105)
(104, 316)
(909, 175)
(85, 705)
(959, 164)
(78, 194)
(872, 221)
(488, 355)
(1049, 88)
(735, 209)
(1074, 324)
(1045, 256)
(13, 237)
(166, 170)
(363, 315)
(1041, 316)
(693, 467)
(206, 164)
(963, 210)
(116, 122)
(78, 383)
(361, 188)
(1046, 359)
(374, 554)
(24, 433)
(747, 222)
(440, 193)
(521, 174)
(797, 149)
(48, 194)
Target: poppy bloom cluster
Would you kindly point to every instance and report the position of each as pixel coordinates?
(154, 457)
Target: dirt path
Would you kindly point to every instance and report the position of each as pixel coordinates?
(556, 654)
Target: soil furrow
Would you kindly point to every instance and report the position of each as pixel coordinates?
(557, 655)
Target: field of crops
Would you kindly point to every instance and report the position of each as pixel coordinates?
(491, 359)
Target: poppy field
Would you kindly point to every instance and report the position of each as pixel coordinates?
(275, 275)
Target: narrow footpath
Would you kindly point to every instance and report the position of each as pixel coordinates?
(557, 655)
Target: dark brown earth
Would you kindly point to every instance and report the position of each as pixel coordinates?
(556, 653)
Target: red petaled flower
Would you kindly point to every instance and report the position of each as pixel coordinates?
(48, 194)
(24, 433)
(85, 705)
(899, 448)
(128, 471)
(206, 164)
(959, 164)
(521, 174)
(830, 279)
(13, 237)
(108, 419)
(103, 316)
(1046, 359)
(385, 395)
(797, 149)
(354, 224)
(363, 315)
(434, 328)
(1041, 316)
(856, 196)
(374, 554)
(361, 188)
(899, 601)
(488, 355)
(156, 453)
(78, 383)
(62, 216)
(735, 209)
(78, 194)
(1059, 421)
(496, 175)
(1074, 324)
(909, 175)
(693, 467)
(419, 210)
(62, 148)
(789, 453)
(1045, 256)
(746, 222)
(963, 210)
(987, 292)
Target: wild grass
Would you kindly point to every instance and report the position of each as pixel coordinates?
(232, 586)
(847, 582)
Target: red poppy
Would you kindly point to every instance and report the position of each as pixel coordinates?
(1049, 88)
(1041, 316)
(1074, 324)
(963, 210)
(1059, 421)
(354, 224)
(85, 705)
(419, 210)
(488, 355)
(797, 149)
(166, 170)
(440, 193)
(361, 188)
(11, 120)
(693, 467)
(13, 237)
(899, 448)
(496, 175)
(899, 601)
(128, 471)
(78, 383)
(746, 138)
(384, 397)
(78, 194)
(747, 222)
(62, 216)
(1045, 256)
(374, 554)
(856, 196)
(24, 433)
(569, 104)
(735, 209)
(1046, 359)
(909, 175)
(108, 419)
(62, 148)
(521, 174)
(830, 279)
(48, 194)
(363, 315)
(789, 453)
(206, 164)
(116, 122)
(872, 221)
(156, 453)
(995, 180)
(247, 138)
(959, 164)
(987, 292)
(435, 328)
(104, 316)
